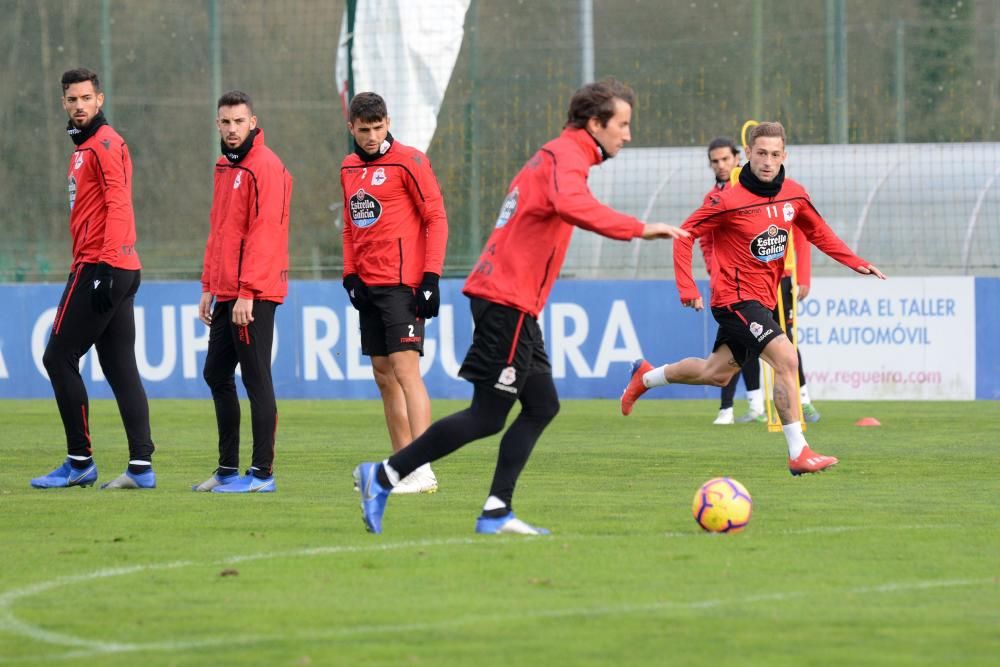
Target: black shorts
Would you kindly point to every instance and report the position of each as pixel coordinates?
(390, 325)
(746, 328)
(507, 348)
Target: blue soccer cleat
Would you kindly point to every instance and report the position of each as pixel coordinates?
(373, 495)
(66, 475)
(216, 480)
(128, 480)
(247, 484)
(508, 524)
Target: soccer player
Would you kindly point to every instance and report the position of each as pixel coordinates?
(723, 157)
(395, 234)
(751, 225)
(96, 308)
(245, 276)
(508, 287)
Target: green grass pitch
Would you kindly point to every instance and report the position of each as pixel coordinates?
(891, 558)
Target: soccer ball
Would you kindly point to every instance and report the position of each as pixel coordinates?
(722, 505)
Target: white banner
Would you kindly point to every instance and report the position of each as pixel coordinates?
(899, 339)
(405, 52)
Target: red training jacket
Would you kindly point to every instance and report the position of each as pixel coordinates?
(750, 235)
(803, 249)
(246, 255)
(395, 226)
(547, 199)
(101, 218)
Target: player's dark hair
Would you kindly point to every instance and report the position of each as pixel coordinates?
(368, 108)
(79, 75)
(766, 129)
(722, 142)
(597, 100)
(234, 98)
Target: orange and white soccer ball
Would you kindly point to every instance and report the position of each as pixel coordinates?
(722, 505)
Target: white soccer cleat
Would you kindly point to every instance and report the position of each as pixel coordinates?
(215, 480)
(421, 480)
(725, 417)
(507, 525)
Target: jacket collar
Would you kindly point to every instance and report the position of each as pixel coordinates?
(587, 142)
(80, 135)
(382, 150)
(236, 155)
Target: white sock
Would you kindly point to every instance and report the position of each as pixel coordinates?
(139, 463)
(493, 503)
(79, 458)
(391, 473)
(755, 399)
(796, 441)
(804, 394)
(656, 377)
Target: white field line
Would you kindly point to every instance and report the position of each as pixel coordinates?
(10, 624)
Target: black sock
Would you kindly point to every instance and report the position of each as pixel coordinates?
(81, 464)
(498, 512)
(484, 417)
(138, 469)
(382, 478)
(223, 471)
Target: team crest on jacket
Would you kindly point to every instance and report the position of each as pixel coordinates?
(788, 211)
(507, 209)
(72, 192)
(78, 162)
(365, 209)
(378, 178)
(770, 244)
(239, 179)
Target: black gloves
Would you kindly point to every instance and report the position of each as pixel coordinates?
(100, 289)
(357, 291)
(428, 297)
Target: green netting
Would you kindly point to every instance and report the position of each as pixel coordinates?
(832, 71)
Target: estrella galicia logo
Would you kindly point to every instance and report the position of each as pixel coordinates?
(507, 209)
(365, 209)
(770, 244)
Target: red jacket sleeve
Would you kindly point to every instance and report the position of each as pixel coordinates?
(821, 236)
(699, 224)
(707, 250)
(348, 239)
(207, 262)
(574, 203)
(267, 234)
(426, 192)
(119, 226)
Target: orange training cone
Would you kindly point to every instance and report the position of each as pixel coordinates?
(868, 421)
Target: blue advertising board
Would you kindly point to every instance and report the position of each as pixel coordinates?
(593, 330)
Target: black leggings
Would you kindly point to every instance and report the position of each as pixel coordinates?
(486, 416)
(250, 347)
(76, 329)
